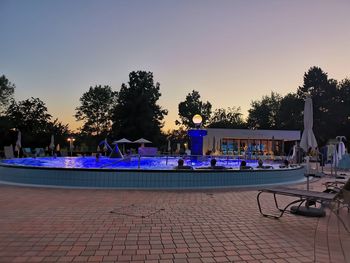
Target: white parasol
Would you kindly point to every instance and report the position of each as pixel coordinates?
(52, 143)
(308, 139)
(169, 146)
(122, 141)
(142, 141)
(18, 142)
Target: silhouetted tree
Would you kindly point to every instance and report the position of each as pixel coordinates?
(59, 130)
(263, 113)
(31, 118)
(290, 113)
(325, 99)
(6, 93)
(5, 132)
(230, 118)
(192, 106)
(96, 110)
(343, 109)
(137, 113)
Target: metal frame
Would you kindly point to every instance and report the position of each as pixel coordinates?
(302, 195)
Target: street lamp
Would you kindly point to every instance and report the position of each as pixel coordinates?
(197, 120)
(71, 146)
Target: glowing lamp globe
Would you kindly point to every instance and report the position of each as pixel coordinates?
(197, 119)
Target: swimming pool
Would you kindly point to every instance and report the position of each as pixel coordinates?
(134, 162)
(140, 173)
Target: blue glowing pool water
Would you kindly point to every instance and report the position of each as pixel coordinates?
(140, 173)
(144, 163)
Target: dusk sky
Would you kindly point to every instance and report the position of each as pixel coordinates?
(232, 52)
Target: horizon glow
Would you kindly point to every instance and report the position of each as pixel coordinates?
(232, 52)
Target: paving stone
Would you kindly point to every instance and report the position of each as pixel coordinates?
(75, 225)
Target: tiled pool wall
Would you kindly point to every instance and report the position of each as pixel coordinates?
(148, 179)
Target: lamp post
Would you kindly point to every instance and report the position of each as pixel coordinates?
(196, 136)
(71, 146)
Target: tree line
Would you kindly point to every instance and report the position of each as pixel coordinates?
(133, 112)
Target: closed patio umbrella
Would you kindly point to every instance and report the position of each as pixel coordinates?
(52, 143)
(214, 145)
(18, 142)
(105, 143)
(308, 139)
(169, 146)
(178, 147)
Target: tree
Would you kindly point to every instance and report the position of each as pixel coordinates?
(191, 106)
(6, 93)
(59, 130)
(316, 83)
(30, 115)
(96, 110)
(325, 99)
(230, 118)
(343, 109)
(263, 113)
(290, 113)
(6, 131)
(137, 113)
(31, 118)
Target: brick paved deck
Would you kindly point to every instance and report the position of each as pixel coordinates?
(76, 225)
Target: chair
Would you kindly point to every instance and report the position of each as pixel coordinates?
(8, 151)
(335, 186)
(39, 152)
(304, 196)
(27, 152)
(343, 198)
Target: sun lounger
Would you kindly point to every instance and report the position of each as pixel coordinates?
(302, 196)
(334, 200)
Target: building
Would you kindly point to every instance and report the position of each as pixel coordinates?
(243, 141)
